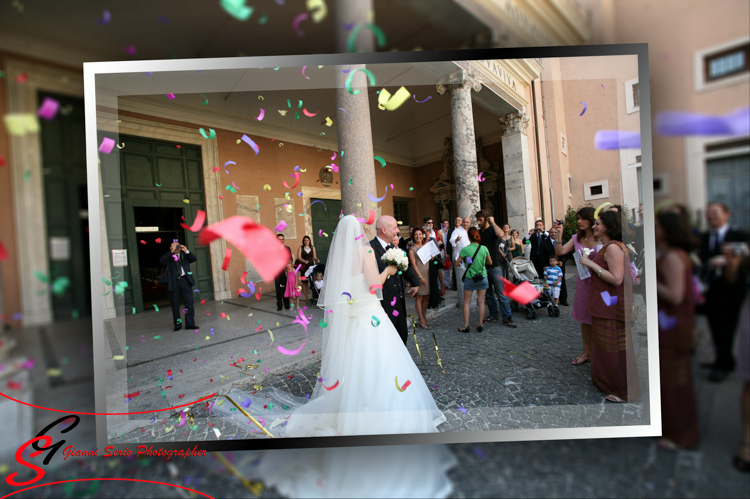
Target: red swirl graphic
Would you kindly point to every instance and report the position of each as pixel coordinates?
(106, 413)
(120, 479)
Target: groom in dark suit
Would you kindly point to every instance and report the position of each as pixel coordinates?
(180, 281)
(395, 285)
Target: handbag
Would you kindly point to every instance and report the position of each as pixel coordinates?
(474, 277)
(447, 263)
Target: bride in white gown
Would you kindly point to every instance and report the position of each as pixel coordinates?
(368, 385)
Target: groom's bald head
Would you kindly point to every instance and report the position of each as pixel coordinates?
(387, 227)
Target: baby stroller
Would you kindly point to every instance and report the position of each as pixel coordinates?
(310, 274)
(521, 269)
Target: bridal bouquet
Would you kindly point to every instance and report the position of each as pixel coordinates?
(397, 257)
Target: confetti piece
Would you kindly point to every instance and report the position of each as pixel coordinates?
(118, 357)
(106, 145)
(606, 140)
(328, 121)
(280, 227)
(130, 49)
(227, 257)
(132, 395)
(584, 108)
(524, 293)
(211, 133)
(303, 72)
(200, 217)
(379, 35)
(332, 387)
(666, 322)
(204, 103)
(374, 321)
(261, 115)
(296, 181)
(252, 144)
(321, 202)
(378, 200)
(318, 9)
(423, 101)
(391, 103)
(237, 9)
(48, 109)
(322, 323)
(347, 119)
(608, 300)
(348, 83)
(309, 114)
(681, 124)
(395, 313)
(402, 388)
(171, 96)
(381, 160)
(461, 408)
(480, 177)
(297, 21)
(106, 17)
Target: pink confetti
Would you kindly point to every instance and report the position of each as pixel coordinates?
(130, 49)
(280, 227)
(303, 72)
(200, 217)
(257, 243)
(291, 352)
(261, 115)
(296, 181)
(393, 302)
(171, 97)
(309, 114)
(107, 145)
(395, 313)
(334, 156)
(297, 20)
(48, 109)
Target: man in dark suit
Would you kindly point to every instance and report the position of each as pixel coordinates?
(395, 285)
(541, 247)
(458, 222)
(180, 282)
(280, 280)
(723, 299)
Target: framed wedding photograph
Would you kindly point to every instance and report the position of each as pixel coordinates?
(372, 248)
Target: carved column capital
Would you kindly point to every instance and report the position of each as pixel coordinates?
(460, 78)
(512, 123)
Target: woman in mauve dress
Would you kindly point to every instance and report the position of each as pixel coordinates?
(610, 305)
(674, 290)
(583, 239)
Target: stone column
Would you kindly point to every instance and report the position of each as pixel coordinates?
(518, 197)
(353, 114)
(460, 85)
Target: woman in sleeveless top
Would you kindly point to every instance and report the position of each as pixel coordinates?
(306, 256)
(516, 245)
(610, 304)
(674, 290)
(423, 273)
(584, 239)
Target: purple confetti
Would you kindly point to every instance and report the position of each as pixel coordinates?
(422, 101)
(349, 26)
(245, 295)
(212, 331)
(606, 140)
(679, 124)
(175, 240)
(163, 19)
(608, 299)
(17, 316)
(246, 403)
(346, 70)
(463, 410)
(106, 17)
(665, 321)
(307, 395)
(585, 106)
(479, 452)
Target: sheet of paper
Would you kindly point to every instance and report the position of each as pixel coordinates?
(583, 272)
(426, 252)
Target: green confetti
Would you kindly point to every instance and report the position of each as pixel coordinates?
(157, 337)
(59, 285)
(299, 106)
(381, 160)
(263, 20)
(127, 348)
(133, 310)
(270, 406)
(158, 185)
(64, 361)
(350, 181)
(296, 115)
(370, 76)
(163, 394)
(74, 314)
(41, 276)
(288, 102)
(411, 188)
(380, 36)
(26, 175)
(255, 351)
(156, 307)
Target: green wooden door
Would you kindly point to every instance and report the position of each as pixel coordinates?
(325, 219)
(155, 174)
(66, 207)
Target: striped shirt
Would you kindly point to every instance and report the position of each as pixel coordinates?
(552, 274)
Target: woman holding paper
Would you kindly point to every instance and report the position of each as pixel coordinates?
(580, 241)
(475, 277)
(610, 303)
(423, 273)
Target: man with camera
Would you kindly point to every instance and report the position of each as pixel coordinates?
(491, 238)
(180, 282)
(541, 246)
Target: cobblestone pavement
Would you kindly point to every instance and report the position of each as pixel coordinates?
(503, 378)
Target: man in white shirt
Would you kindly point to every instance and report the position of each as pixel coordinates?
(459, 240)
(444, 230)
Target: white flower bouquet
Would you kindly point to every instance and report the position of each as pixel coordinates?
(397, 257)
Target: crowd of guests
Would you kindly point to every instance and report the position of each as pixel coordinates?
(705, 273)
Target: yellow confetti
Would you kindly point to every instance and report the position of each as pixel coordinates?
(225, 377)
(325, 234)
(328, 121)
(320, 67)
(287, 197)
(282, 112)
(277, 324)
(266, 187)
(303, 171)
(260, 97)
(238, 141)
(319, 9)
(385, 101)
(249, 315)
(271, 333)
(258, 387)
(186, 201)
(168, 429)
(54, 372)
(208, 338)
(220, 402)
(4, 469)
(118, 357)
(281, 144)
(289, 208)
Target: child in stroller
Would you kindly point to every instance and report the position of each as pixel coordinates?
(317, 271)
(522, 269)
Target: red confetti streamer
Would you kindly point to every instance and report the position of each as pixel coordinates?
(3, 252)
(296, 181)
(132, 395)
(227, 257)
(200, 217)
(142, 241)
(331, 388)
(242, 279)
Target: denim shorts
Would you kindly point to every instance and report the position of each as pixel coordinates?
(470, 285)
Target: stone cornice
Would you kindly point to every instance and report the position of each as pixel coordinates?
(462, 77)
